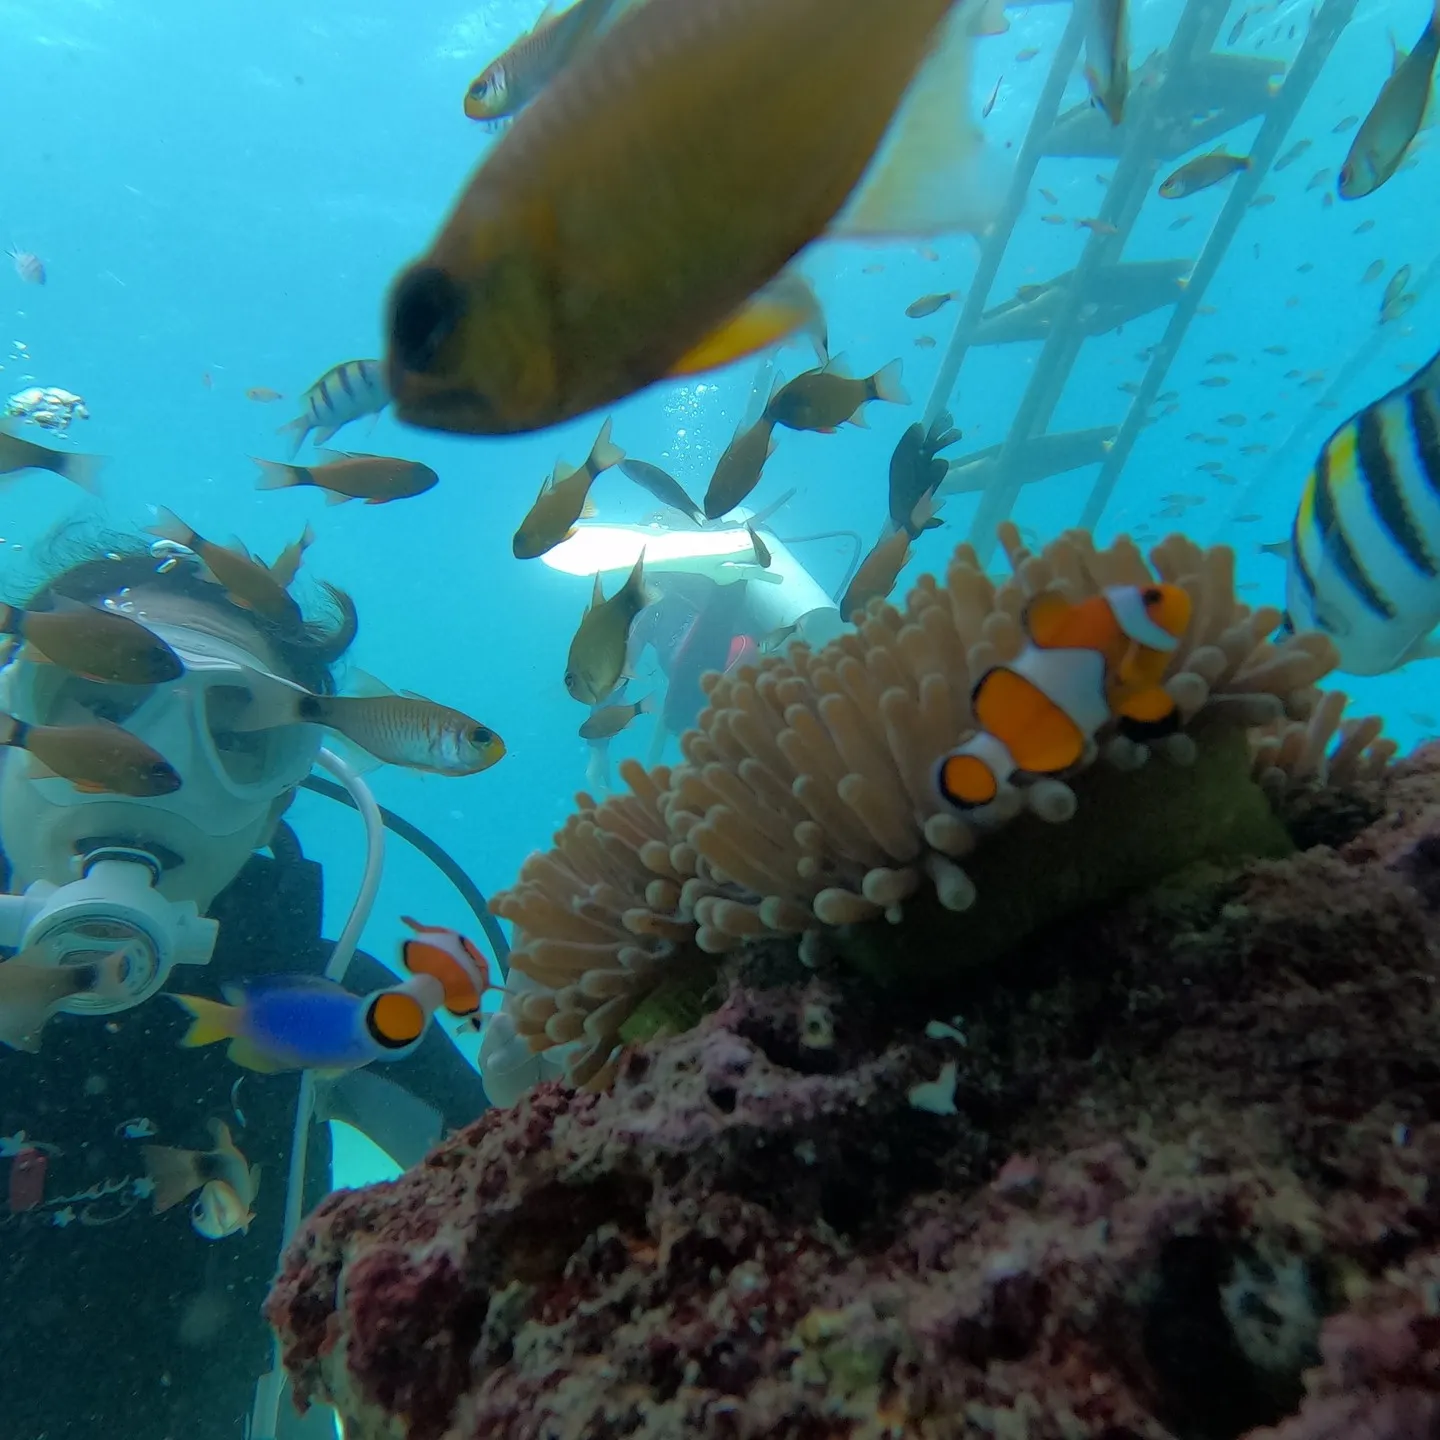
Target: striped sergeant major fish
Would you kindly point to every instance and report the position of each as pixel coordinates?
(1363, 557)
(1086, 665)
(343, 393)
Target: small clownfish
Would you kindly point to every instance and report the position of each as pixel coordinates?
(454, 961)
(1086, 664)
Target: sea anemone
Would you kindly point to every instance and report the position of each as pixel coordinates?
(805, 808)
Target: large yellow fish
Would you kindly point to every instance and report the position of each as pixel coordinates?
(616, 233)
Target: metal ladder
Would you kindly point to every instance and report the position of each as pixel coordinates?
(1103, 290)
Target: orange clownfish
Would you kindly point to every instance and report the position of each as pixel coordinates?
(456, 963)
(1103, 659)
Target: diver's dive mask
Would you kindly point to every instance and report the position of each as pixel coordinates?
(102, 871)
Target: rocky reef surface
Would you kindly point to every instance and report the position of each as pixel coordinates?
(1171, 1170)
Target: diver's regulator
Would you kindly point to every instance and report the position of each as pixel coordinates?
(111, 905)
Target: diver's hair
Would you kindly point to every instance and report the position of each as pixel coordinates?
(79, 564)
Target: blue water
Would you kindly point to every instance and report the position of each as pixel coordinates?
(222, 195)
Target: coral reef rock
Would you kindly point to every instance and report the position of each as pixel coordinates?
(1173, 1170)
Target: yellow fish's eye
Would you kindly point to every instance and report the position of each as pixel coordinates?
(481, 736)
(425, 309)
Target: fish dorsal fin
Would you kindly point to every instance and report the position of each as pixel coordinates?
(835, 365)
(597, 595)
(362, 685)
(1045, 616)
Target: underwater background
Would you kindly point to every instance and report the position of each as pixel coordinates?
(221, 196)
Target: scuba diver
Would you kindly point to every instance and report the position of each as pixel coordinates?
(720, 595)
(121, 1321)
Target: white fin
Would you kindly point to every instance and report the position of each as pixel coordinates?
(361, 684)
(931, 174)
(888, 385)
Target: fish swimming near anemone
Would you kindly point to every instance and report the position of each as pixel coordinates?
(617, 232)
(564, 498)
(306, 1022)
(1084, 665)
(916, 468)
(1363, 555)
(457, 963)
(597, 656)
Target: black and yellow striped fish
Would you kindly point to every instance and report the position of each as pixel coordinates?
(343, 393)
(1364, 553)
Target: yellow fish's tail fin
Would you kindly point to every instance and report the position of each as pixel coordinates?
(211, 1020)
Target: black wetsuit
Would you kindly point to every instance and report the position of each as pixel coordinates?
(119, 1324)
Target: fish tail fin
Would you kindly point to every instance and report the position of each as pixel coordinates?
(210, 1020)
(169, 526)
(1280, 549)
(82, 470)
(933, 173)
(886, 384)
(649, 704)
(324, 434)
(604, 453)
(175, 1174)
(295, 432)
(276, 475)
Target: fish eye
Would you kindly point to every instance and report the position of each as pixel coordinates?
(1151, 597)
(481, 736)
(570, 681)
(425, 309)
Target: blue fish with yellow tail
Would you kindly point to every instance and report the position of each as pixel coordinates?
(305, 1022)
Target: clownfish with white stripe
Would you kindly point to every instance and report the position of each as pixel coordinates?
(1084, 665)
(459, 966)
(1363, 557)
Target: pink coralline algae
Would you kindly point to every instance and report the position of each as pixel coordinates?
(1190, 1188)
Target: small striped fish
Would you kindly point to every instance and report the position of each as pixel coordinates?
(342, 394)
(1364, 553)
